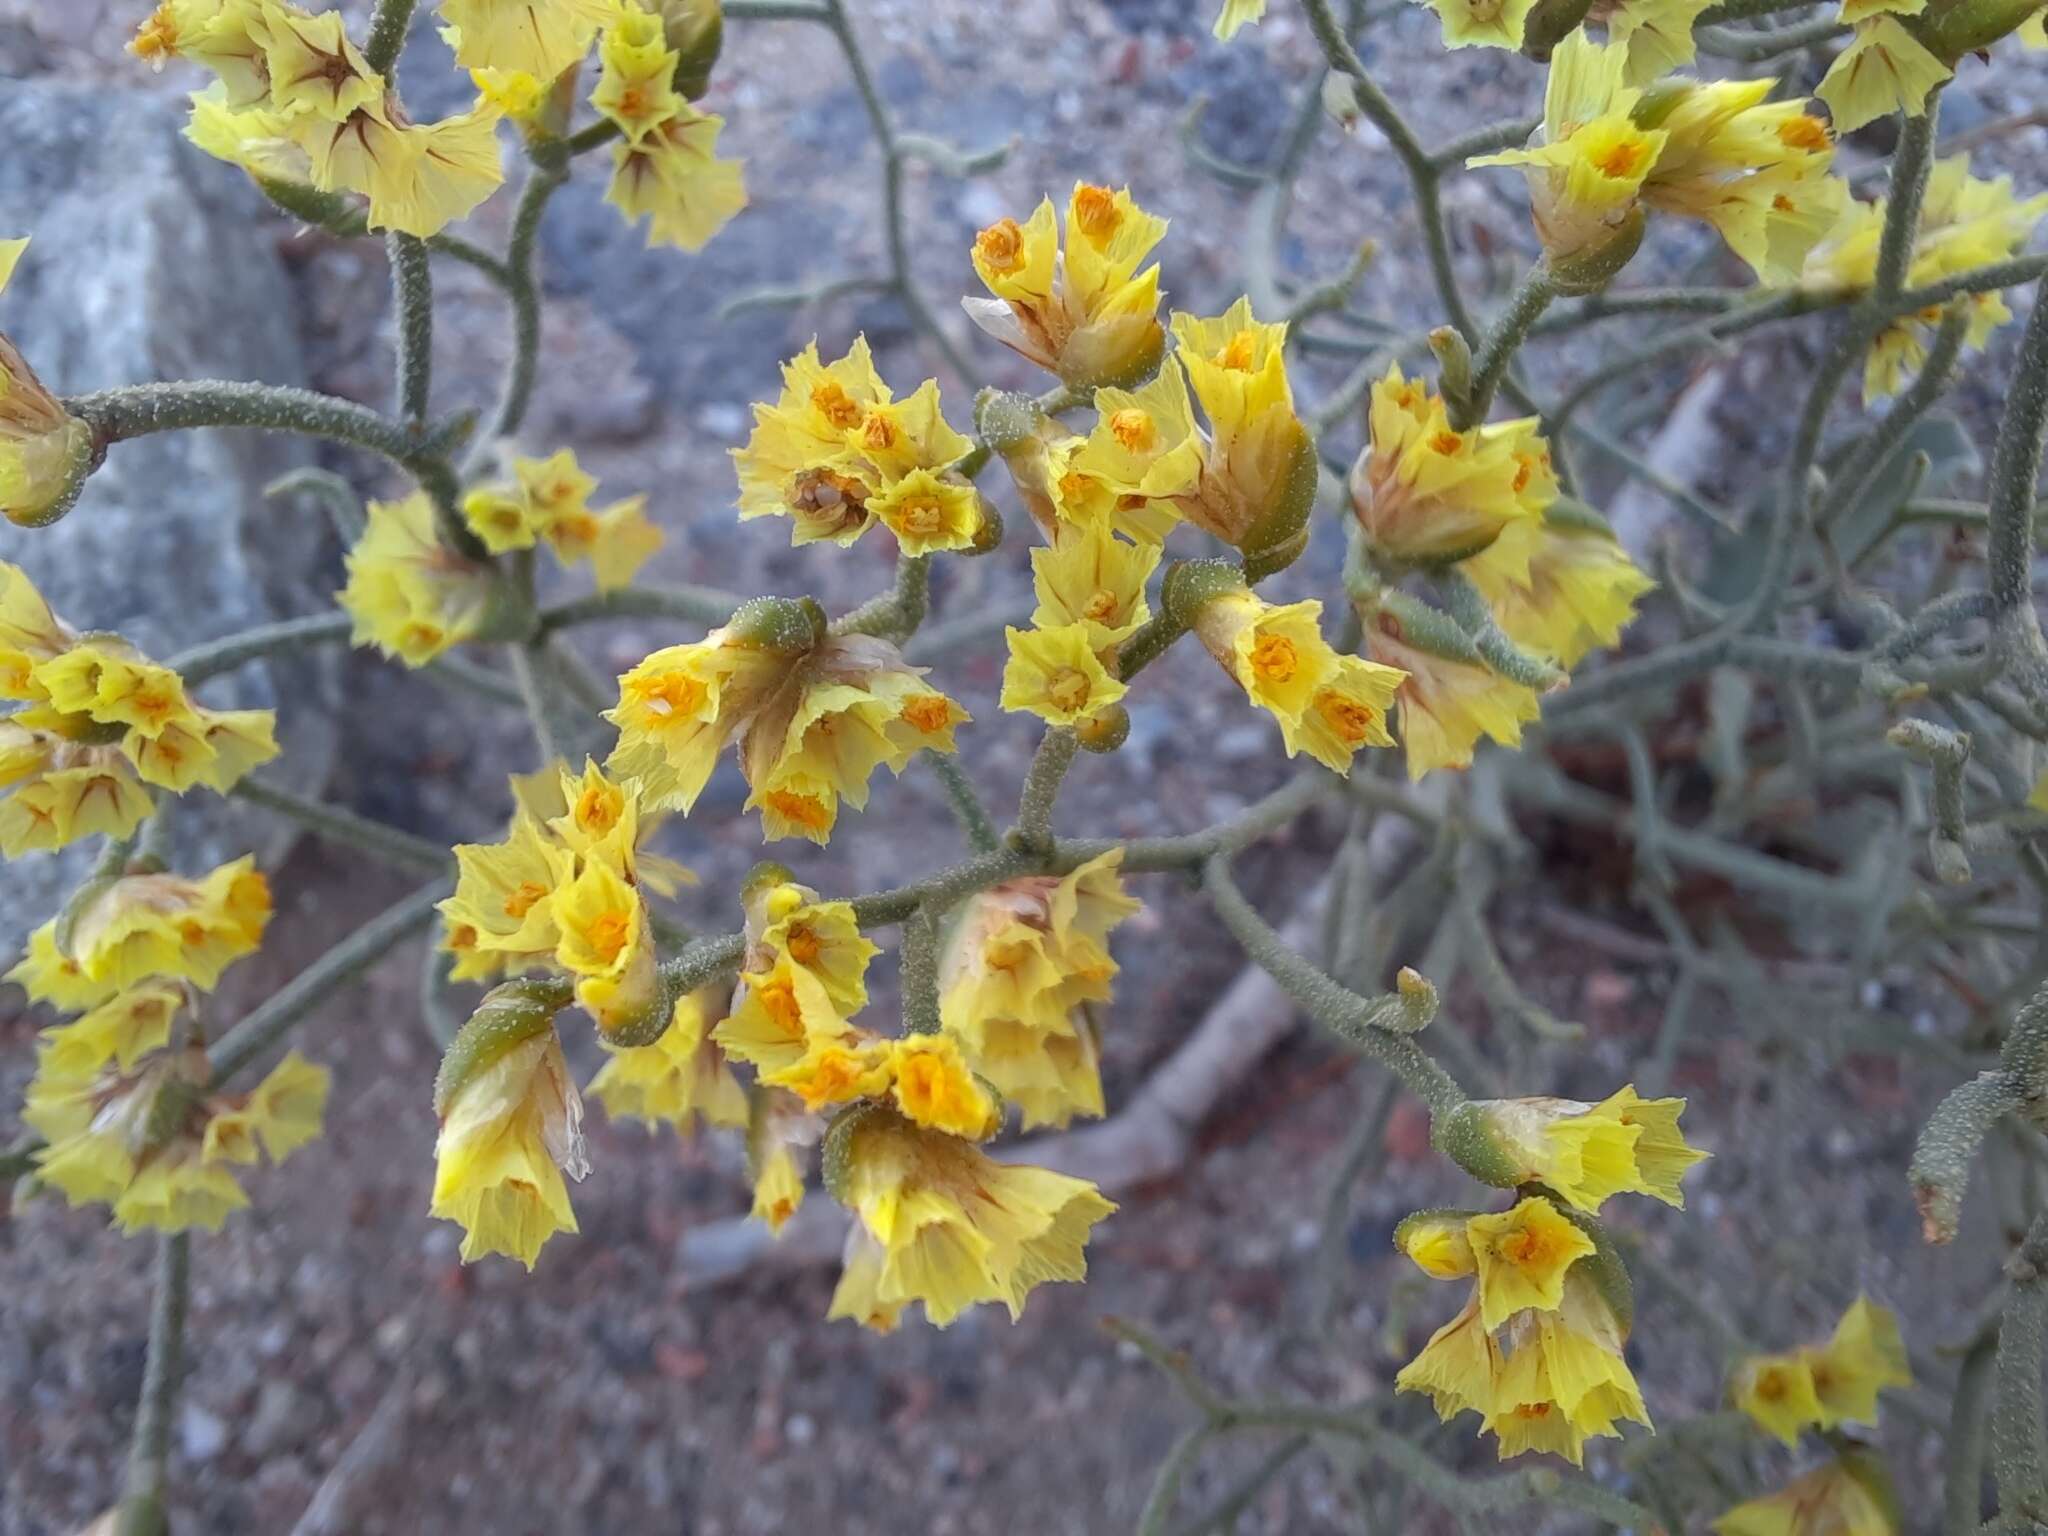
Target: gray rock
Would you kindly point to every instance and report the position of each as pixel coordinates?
(201, 1435)
(152, 261)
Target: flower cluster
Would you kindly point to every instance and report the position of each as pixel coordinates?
(98, 722)
(814, 715)
(410, 595)
(1965, 222)
(1716, 151)
(295, 101)
(548, 501)
(1851, 1495)
(1479, 504)
(297, 106)
(1823, 1385)
(122, 1094)
(838, 452)
(1536, 1350)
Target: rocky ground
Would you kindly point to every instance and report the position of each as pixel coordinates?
(332, 1326)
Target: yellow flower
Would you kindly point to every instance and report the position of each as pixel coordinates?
(61, 790)
(1591, 1152)
(783, 1015)
(1850, 1496)
(225, 36)
(1349, 711)
(111, 684)
(509, 1130)
(49, 975)
(1424, 492)
(1022, 963)
(1656, 33)
(956, 1228)
(541, 37)
(1235, 15)
(773, 1137)
(1864, 1356)
(280, 1115)
(928, 513)
(29, 633)
(821, 936)
(177, 1190)
(513, 92)
(419, 177)
(1277, 654)
(857, 1295)
(933, 1087)
(1258, 466)
(680, 1076)
(1777, 1393)
(617, 541)
(409, 596)
(1446, 705)
(1559, 588)
(635, 85)
(1089, 576)
(1884, 69)
(499, 516)
(1055, 674)
(121, 1030)
(1522, 1256)
(1437, 1244)
(1965, 222)
(1754, 169)
(1086, 312)
(798, 462)
(141, 926)
(608, 945)
(313, 68)
(1142, 452)
(1563, 1379)
(1459, 1367)
(1483, 23)
(680, 705)
(672, 177)
(1586, 175)
(836, 1071)
(503, 898)
(44, 452)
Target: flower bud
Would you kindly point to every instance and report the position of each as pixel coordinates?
(696, 32)
(1105, 730)
(45, 452)
(1436, 1243)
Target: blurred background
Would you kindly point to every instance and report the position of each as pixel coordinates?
(660, 1372)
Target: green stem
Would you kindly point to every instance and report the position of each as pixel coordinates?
(1049, 765)
(1165, 1494)
(1509, 330)
(388, 29)
(412, 298)
(2019, 1431)
(972, 815)
(920, 973)
(213, 657)
(524, 293)
(2015, 470)
(345, 829)
(143, 1509)
(693, 605)
(347, 961)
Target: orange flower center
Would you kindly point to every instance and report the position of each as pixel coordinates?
(1239, 351)
(803, 945)
(1275, 658)
(927, 713)
(879, 431)
(1351, 721)
(598, 808)
(1101, 606)
(1803, 132)
(608, 933)
(1068, 688)
(923, 516)
(521, 901)
(1133, 428)
(778, 1001)
(835, 405)
(1620, 160)
(1001, 245)
(1447, 443)
(1530, 1248)
(804, 810)
(669, 693)
(1096, 212)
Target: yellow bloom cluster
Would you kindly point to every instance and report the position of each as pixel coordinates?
(43, 450)
(1447, 703)
(410, 595)
(125, 1107)
(1425, 492)
(1825, 1385)
(548, 500)
(940, 1222)
(814, 715)
(1327, 705)
(563, 893)
(678, 1078)
(838, 452)
(1561, 586)
(1715, 151)
(296, 101)
(1026, 961)
(665, 168)
(1536, 1351)
(1851, 1495)
(1884, 69)
(538, 38)
(99, 722)
(1965, 222)
(1083, 311)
